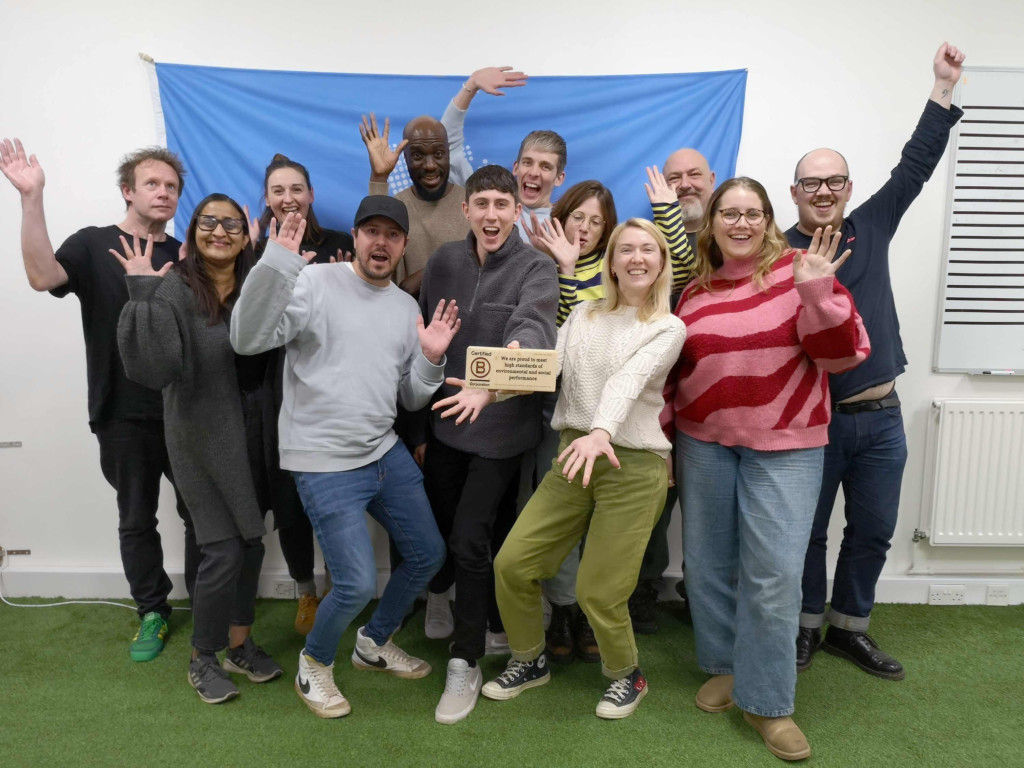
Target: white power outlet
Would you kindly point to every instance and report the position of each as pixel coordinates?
(284, 590)
(998, 594)
(947, 594)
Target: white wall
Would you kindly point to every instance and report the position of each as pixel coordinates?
(851, 76)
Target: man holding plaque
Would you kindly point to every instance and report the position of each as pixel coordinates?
(507, 294)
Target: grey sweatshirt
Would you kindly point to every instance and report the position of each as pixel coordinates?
(351, 353)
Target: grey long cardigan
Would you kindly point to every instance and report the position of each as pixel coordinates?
(167, 344)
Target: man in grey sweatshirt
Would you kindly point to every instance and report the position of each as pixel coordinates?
(355, 346)
(507, 292)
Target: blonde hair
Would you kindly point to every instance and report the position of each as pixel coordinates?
(656, 303)
(709, 255)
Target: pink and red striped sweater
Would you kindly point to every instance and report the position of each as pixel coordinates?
(754, 369)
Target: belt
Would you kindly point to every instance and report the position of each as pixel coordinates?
(892, 401)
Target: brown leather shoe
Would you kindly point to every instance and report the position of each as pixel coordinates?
(781, 735)
(559, 646)
(716, 694)
(586, 643)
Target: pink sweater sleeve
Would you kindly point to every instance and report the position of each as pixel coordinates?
(829, 327)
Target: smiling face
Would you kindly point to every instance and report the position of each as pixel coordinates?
(687, 172)
(155, 195)
(380, 243)
(739, 240)
(823, 206)
(492, 215)
(287, 192)
(218, 247)
(636, 263)
(588, 221)
(537, 175)
(427, 158)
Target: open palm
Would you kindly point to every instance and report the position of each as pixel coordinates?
(817, 261)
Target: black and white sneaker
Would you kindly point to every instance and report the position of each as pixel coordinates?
(367, 655)
(517, 677)
(623, 696)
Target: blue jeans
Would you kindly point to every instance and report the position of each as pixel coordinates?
(748, 518)
(391, 490)
(867, 453)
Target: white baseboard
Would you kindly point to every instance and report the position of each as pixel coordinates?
(102, 583)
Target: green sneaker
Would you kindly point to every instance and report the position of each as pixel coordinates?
(149, 640)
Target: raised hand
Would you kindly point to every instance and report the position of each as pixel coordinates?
(292, 229)
(382, 158)
(565, 252)
(658, 190)
(136, 261)
(24, 172)
(492, 79)
(948, 64)
(467, 404)
(254, 226)
(818, 260)
(583, 452)
(435, 338)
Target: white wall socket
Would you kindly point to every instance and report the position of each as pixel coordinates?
(284, 590)
(998, 594)
(947, 594)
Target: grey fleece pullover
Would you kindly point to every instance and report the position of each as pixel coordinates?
(351, 353)
(513, 296)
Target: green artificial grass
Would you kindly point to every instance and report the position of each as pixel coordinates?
(69, 696)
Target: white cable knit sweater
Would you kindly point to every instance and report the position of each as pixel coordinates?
(613, 370)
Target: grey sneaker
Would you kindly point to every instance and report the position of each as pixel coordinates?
(623, 696)
(461, 690)
(438, 622)
(386, 658)
(210, 681)
(496, 644)
(517, 677)
(252, 661)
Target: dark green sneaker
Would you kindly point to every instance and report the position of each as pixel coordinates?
(149, 640)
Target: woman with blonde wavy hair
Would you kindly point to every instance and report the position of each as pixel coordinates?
(766, 325)
(614, 355)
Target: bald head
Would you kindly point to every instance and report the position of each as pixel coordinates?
(426, 156)
(823, 206)
(820, 158)
(688, 173)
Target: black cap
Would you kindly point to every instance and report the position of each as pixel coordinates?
(382, 205)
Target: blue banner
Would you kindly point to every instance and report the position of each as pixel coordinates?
(226, 125)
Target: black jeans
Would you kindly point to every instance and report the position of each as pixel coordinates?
(466, 493)
(133, 456)
(226, 588)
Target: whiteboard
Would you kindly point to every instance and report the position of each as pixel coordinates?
(981, 302)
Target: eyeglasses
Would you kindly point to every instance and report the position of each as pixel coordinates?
(811, 184)
(578, 217)
(752, 215)
(209, 223)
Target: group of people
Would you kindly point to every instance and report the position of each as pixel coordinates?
(321, 375)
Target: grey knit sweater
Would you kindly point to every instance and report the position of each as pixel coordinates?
(167, 344)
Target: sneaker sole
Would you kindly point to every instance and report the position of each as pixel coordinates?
(326, 714)
(230, 666)
(844, 655)
(454, 718)
(412, 674)
(496, 693)
(144, 655)
(618, 713)
(208, 700)
(434, 634)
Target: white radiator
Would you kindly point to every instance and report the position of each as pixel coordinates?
(974, 495)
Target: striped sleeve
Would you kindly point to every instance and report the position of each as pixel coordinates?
(567, 298)
(669, 220)
(829, 327)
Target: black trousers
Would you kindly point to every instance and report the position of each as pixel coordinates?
(133, 456)
(466, 493)
(226, 588)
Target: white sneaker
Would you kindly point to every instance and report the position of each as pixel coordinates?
(461, 690)
(439, 622)
(386, 658)
(496, 644)
(315, 686)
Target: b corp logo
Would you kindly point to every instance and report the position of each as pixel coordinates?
(481, 368)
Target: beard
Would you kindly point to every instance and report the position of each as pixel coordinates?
(691, 208)
(431, 195)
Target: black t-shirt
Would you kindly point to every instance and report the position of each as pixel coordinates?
(97, 278)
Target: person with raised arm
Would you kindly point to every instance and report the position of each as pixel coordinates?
(126, 417)
(867, 445)
(749, 403)
(350, 326)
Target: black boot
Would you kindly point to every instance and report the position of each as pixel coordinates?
(642, 609)
(586, 643)
(559, 635)
(807, 641)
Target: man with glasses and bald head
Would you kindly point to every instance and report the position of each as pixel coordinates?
(867, 448)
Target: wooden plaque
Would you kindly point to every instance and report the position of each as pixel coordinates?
(521, 370)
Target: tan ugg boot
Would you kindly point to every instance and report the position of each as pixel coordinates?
(781, 735)
(716, 694)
